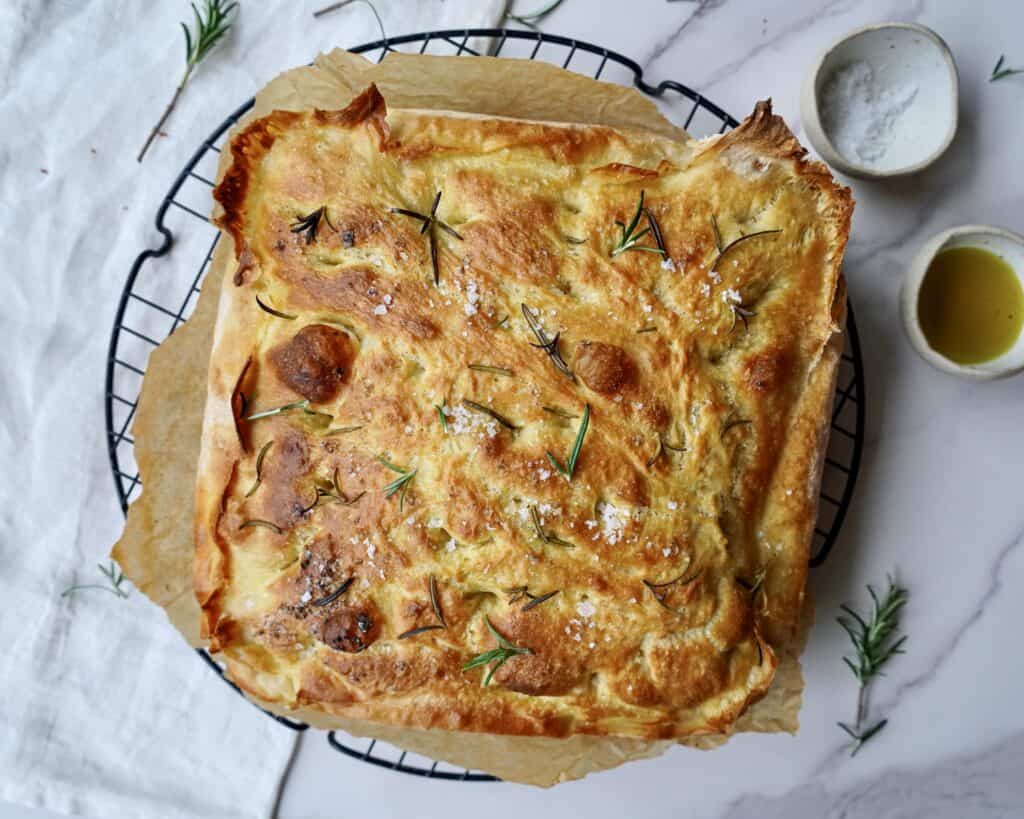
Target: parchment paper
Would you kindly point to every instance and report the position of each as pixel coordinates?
(155, 551)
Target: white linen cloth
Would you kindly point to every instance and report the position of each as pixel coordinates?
(104, 710)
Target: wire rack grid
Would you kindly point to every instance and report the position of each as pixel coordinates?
(161, 288)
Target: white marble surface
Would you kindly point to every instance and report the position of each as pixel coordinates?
(939, 499)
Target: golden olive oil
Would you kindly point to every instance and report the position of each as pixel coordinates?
(971, 305)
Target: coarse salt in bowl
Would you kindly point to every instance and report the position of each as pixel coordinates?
(882, 101)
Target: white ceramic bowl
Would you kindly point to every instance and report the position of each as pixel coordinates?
(908, 62)
(1004, 243)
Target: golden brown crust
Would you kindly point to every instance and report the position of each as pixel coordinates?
(690, 509)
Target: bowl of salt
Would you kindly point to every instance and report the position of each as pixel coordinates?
(882, 101)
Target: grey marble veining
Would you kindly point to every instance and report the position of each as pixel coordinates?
(981, 786)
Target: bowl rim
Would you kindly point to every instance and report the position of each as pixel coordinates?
(852, 167)
(911, 288)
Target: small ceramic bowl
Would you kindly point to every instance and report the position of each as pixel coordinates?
(903, 68)
(1004, 243)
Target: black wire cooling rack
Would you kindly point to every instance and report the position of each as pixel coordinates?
(161, 288)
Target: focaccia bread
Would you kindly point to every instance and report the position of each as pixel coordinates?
(480, 453)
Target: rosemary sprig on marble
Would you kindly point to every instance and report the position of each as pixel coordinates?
(309, 225)
(723, 249)
(496, 657)
(400, 484)
(548, 345)
(630, 238)
(211, 26)
(259, 468)
(1000, 72)
(569, 467)
(427, 224)
(875, 642)
(114, 577)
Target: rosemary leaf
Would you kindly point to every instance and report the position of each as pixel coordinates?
(303, 404)
(999, 73)
(405, 635)
(342, 430)
(548, 345)
(650, 328)
(573, 240)
(722, 251)
(657, 454)
(547, 537)
(488, 368)
(517, 593)
(114, 577)
(630, 239)
(259, 468)
(656, 232)
(485, 410)
(442, 417)
(427, 224)
(737, 422)
(570, 466)
(266, 524)
(384, 462)
(660, 590)
(268, 309)
(497, 657)
(561, 413)
(741, 312)
(310, 224)
(435, 603)
(400, 484)
(538, 600)
(860, 738)
(334, 595)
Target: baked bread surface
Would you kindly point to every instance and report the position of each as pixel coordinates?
(375, 550)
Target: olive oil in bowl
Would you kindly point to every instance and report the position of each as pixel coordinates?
(970, 305)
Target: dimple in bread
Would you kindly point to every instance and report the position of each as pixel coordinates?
(425, 308)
